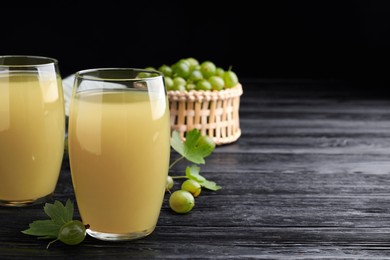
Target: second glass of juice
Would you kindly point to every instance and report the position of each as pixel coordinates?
(119, 150)
(32, 129)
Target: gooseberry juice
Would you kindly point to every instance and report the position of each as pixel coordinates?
(32, 132)
(119, 144)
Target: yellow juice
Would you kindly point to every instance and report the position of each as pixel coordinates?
(119, 147)
(32, 132)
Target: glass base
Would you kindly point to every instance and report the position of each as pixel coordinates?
(121, 236)
(24, 203)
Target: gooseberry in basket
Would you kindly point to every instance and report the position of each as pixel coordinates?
(230, 78)
(190, 74)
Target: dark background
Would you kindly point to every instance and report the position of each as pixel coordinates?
(347, 40)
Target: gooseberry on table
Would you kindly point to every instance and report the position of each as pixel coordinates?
(181, 201)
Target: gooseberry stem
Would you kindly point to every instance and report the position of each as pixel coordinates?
(176, 161)
(51, 242)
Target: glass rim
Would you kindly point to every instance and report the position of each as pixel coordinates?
(39, 61)
(86, 74)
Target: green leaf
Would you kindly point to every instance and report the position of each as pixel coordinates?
(59, 213)
(50, 228)
(176, 143)
(43, 228)
(196, 146)
(69, 208)
(211, 185)
(193, 173)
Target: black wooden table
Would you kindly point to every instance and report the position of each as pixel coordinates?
(308, 179)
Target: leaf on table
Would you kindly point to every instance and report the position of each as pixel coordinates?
(211, 185)
(196, 146)
(43, 228)
(59, 213)
(192, 172)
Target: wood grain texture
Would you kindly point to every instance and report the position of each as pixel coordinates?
(308, 179)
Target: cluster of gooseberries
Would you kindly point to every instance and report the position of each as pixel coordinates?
(194, 149)
(183, 200)
(190, 74)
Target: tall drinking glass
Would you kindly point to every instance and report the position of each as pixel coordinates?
(119, 150)
(32, 129)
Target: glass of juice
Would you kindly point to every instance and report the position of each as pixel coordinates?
(32, 129)
(119, 150)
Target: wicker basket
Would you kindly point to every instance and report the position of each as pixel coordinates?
(214, 113)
